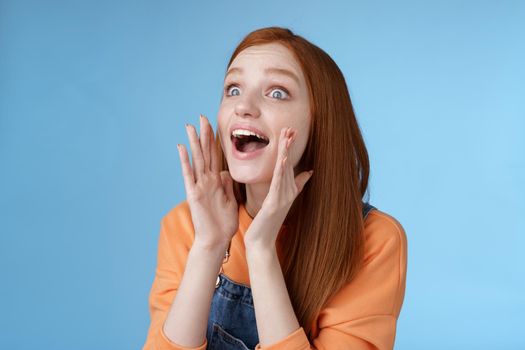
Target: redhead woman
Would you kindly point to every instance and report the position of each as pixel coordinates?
(274, 247)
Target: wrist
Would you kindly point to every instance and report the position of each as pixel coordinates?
(216, 250)
(257, 257)
(259, 248)
(261, 237)
(207, 259)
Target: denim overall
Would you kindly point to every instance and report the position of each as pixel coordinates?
(231, 324)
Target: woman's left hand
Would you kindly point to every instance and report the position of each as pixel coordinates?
(284, 188)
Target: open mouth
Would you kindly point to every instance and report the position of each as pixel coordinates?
(248, 143)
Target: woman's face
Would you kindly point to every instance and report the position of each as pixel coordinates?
(264, 88)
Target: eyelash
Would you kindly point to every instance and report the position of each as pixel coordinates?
(273, 88)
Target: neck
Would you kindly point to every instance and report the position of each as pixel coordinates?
(255, 195)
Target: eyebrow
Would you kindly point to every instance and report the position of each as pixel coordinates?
(281, 71)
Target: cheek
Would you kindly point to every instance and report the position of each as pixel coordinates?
(220, 115)
(301, 141)
(222, 127)
(298, 150)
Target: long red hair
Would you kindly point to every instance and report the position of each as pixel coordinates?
(323, 245)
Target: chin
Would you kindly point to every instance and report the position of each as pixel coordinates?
(247, 175)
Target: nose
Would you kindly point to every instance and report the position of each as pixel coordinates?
(247, 106)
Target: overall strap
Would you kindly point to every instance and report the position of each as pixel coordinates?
(366, 209)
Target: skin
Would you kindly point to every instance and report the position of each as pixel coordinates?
(256, 99)
(272, 186)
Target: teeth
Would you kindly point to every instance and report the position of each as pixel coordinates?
(245, 132)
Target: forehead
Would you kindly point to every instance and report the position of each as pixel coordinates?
(266, 58)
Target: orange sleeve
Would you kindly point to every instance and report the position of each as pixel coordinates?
(175, 241)
(363, 314)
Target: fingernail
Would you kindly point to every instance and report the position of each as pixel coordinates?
(311, 172)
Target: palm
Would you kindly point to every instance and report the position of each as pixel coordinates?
(209, 192)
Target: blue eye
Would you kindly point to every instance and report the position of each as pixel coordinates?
(277, 92)
(228, 90)
(280, 91)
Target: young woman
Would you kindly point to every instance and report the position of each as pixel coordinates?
(264, 253)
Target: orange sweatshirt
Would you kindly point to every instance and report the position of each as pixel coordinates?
(362, 315)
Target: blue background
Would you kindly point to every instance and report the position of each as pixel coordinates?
(93, 100)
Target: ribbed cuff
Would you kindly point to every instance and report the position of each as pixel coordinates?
(294, 341)
(163, 343)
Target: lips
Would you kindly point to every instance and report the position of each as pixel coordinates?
(248, 142)
(248, 127)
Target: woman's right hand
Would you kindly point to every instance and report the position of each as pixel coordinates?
(214, 209)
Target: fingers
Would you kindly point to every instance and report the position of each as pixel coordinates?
(205, 141)
(203, 149)
(281, 153)
(187, 172)
(290, 139)
(215, 165)
(227, 184)
(286, 138)
(280, 166)
(196, 152)
(284, 180)
(288, 172)
(214, 156)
